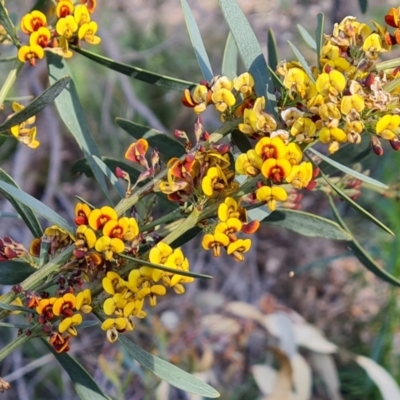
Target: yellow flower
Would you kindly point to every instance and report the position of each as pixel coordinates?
(327, 135)
(222, 99)
(271, 148)
(244, 84)
(160, 253)
(300, 176)
(132, 230)
(372, 46)
(276, 170)
(31, 54)
(41, 37)
(116, 229)
(33, 21)
(113, 326)
(87, 32)
(290, 115)
(248, 163)
(68, 324)
(296, 80)
(113, 283)
(109, 246)
(215, 242)
(87, 235)
(212, 181)
(64, 305)
(84, 301)
(81, 15)
(229, 228)
(294, 153)
(354, 102)
(66, 26)
(200, 98)
(82, 212)
(230, 209)
(303, 129)
(270, 195)
(26, 136)
(249, 122)
(237, 248)
(115, 304)
(388, 126)
(99, 217)
(64, 8)
(332, 83)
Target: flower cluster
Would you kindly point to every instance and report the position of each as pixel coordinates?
(127, 297)
(72, 24)
(232, 219)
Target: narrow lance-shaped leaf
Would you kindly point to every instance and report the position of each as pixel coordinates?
(38, 104)
(307, 224)
(307, 37)
(348, 170)
(36, 206)
(348, 154)
(73, 115)
(388, 64)
(7, 85)
(356, 206)
(197, 42)
(363, 5)
(137, 73)
(110, 175)
(250, 51)
(14, 272)
(85, 386)
(360, 252)
(389, 86)
(8, 25)
(168, 372)
(230, 58)
(25, 212)
(241, 141)
(273, 57)
(302, 61)
(319, 35)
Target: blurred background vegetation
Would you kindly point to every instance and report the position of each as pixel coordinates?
(311, 279)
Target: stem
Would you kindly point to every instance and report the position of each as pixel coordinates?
(20, 340)
(162, 220)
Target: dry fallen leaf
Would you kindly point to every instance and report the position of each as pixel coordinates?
(217, 324)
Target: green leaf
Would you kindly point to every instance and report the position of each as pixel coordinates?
(25, 212)
(356, 206)
(82, 166)
(273, 57)
(14, 272)
(319, 35)
(73, 115)
(197, 42)
(388, 64)
(14, 326)
(360, 252)
(8, 25)
(348, 154)
(36, 206)
(85, 386)
(250, 51)
(307, 37)
(307, 224)
(230, 58)
(164, 268)
(241, 141)
(348, 170)
(10, 307)
(188, 235)
(302, 61)
(38, 104)
(389, 86)
(8, 84)
(168, 146)
(110, 176)
(138, 73)
(363, 5)
(168, 372)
